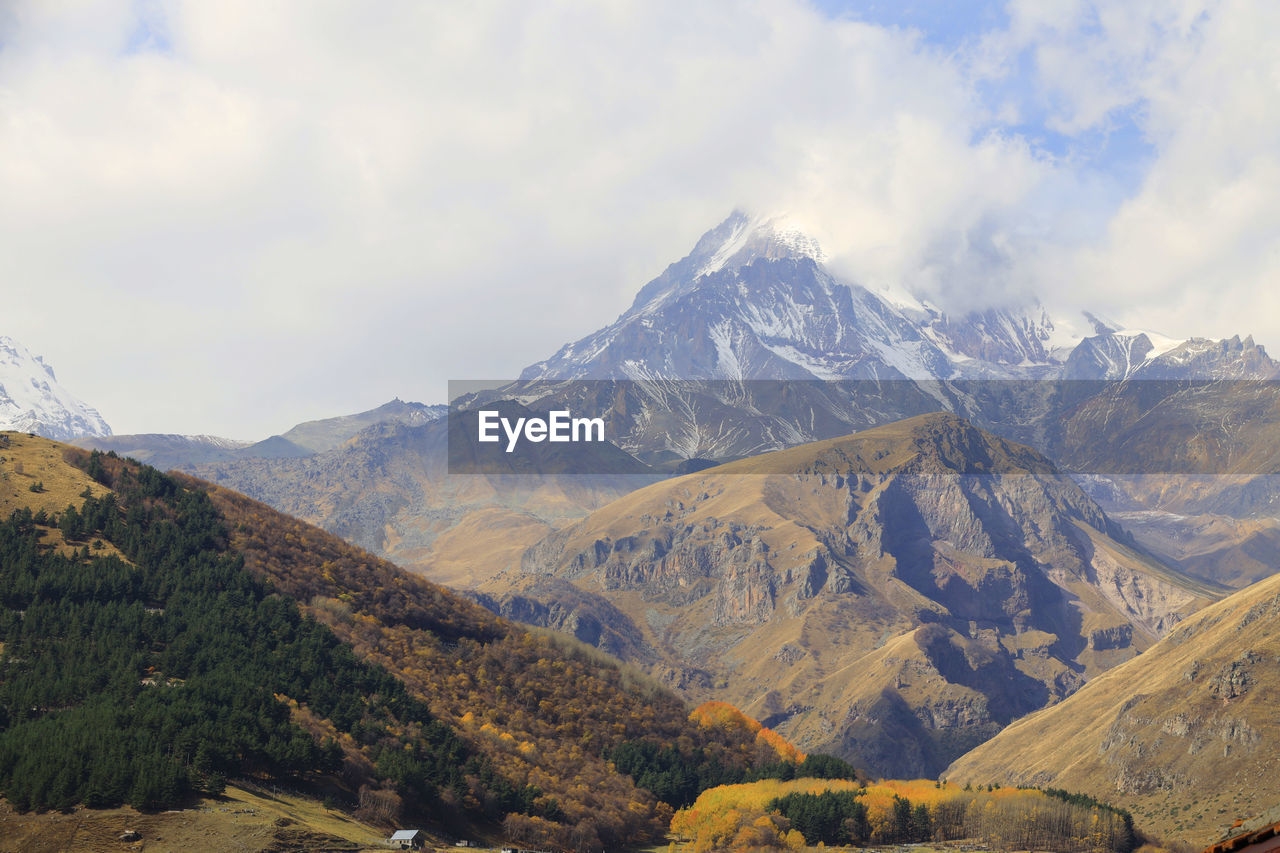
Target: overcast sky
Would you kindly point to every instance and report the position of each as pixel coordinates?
(228, 217)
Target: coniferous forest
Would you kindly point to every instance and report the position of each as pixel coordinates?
(147, 679)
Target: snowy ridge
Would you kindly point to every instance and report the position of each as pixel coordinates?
(1159, 343)
(31, 400)
(753, 300)
(774, 236)
(713, 345)
(215, 441)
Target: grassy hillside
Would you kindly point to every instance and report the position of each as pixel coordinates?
(546, 710)
(1182, 735)
(162, 637)
(150, 679)
(239, 819)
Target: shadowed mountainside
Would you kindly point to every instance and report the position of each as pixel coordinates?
(1184, 735)
(895, 596)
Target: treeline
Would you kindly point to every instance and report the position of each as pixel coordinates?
(840, 817)
(677, 778)
(153, 678)
(792, 815)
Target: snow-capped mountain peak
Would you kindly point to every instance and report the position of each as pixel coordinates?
(771, 237)
(754, 300)
(31, 400)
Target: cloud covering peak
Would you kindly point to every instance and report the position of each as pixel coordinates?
(268, 213)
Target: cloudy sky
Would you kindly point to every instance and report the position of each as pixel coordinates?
(230, 217)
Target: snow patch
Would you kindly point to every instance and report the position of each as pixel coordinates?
(1159, 343)
(31, 400)
(773, 236)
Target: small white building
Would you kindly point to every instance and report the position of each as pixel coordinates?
(407, 839)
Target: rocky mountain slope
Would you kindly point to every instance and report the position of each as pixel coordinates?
(894, 596)
(31, 400)
(1183, 735)
(752, 300)
(326, 434)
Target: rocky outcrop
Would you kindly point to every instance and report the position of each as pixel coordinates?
(939, 580)
(1183, 734)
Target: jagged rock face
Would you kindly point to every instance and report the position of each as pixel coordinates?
(1109, 356)
(1229, 358)
(1183, 735)
(31, 400)
(771, 319)
(1001, 337)
(880, 589)
(562, 607)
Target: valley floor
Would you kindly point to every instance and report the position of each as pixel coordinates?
(238, 821)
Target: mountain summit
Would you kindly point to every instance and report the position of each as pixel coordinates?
(31, 400)
(753, 305)
(754, 300)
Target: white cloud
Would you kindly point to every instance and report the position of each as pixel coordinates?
(1196, 249)
(296, 210)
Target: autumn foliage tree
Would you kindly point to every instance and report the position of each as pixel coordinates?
(843, 812)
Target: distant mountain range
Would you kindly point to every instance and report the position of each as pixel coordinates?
(753, 300)
(750, 344)
(31, 400)
(165, 451)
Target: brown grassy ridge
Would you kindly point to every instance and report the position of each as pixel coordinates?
(30, 460)
(1183, 735)
(241, 819)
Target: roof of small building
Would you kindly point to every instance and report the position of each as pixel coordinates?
(1244, 833)
(405, 834)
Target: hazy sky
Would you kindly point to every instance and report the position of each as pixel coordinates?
(228, 217)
